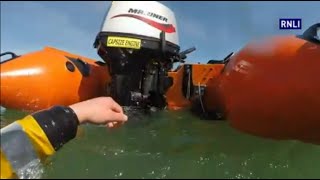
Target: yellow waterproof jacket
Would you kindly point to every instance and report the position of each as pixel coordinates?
(28, 141)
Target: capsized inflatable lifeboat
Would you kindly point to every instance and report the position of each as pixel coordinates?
(269, 88)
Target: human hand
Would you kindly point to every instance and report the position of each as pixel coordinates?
(100, 111)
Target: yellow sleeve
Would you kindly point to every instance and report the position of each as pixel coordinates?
(35, 137)
(6, 169)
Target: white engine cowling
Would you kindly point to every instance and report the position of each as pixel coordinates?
(138, 25)
(142, 18)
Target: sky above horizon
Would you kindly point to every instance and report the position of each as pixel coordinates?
(214, 28)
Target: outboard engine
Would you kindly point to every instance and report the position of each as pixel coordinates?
(139, 43)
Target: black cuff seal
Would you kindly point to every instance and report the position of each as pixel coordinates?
(59, 123)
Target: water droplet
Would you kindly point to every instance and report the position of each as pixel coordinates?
(271, 165)
(220, 164)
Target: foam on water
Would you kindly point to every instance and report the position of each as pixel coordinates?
(32, 170)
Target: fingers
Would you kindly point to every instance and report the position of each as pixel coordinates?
(114, 124)
(116, 107)
(110, 125)
(116, 117)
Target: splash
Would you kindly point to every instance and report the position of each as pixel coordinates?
(33, 170)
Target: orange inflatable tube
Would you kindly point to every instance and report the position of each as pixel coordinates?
(48, 77)
(271, 88)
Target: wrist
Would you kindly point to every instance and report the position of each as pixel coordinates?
(81, 117)
(70, 113)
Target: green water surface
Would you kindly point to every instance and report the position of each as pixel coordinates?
(177, 145)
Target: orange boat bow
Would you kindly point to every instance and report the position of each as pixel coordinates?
(41, 79)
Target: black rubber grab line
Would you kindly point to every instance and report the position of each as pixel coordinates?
(13, 56)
